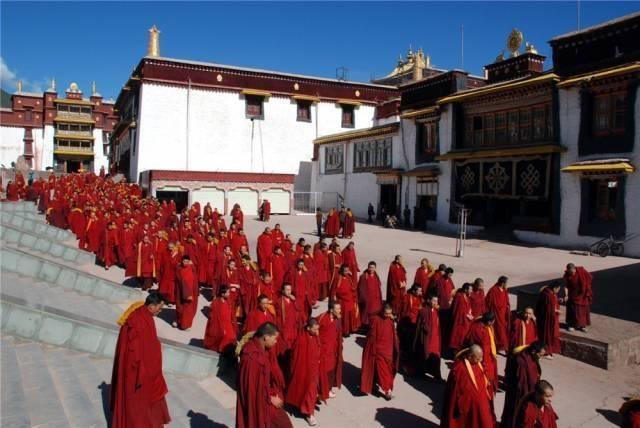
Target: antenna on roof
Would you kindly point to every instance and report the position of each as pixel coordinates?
(462, 47)
(341, 73)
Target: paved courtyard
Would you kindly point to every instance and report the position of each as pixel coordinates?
(585, 395)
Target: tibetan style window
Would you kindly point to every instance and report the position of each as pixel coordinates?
(254, 107)
(372, 154)
(334, 159)
(427, 140)
(609, 112)
(426, 200)
(304, 111)
(509, 127)
(603, 212)
(348, 116)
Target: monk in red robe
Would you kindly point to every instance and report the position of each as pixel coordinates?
(12, 192)
(260, 400)
(77, 221)
(524, 330)
(300, 285)
(260, 315)
(423, 276)
(548, 318)
(330, 351)
(427, 344)
(145, 265)
(231, 279)
(237, 216)
(188, 292)
(535, 411)
(369, 294)
(349, 226)
(93, 232)
(332, 225)
(264, 248)
(343, 291)
(630, 413)
(381, 354)
(321, 270)
(127, 250)
(579, 297)
(443, 286)
(521, 375)
(277, 267)
(467, 398)
(221, 332)
(287, 319)
(109, 246)
(349, 258)
(138, 388)
(497, 301)
(481, 333)
(305, 371)
(396, 284)
(477, 297)
(407, 322)
(462, 317)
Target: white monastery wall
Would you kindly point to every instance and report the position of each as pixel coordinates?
(99, 159)
(12, 144)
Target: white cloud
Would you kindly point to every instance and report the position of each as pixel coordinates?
(9, 80)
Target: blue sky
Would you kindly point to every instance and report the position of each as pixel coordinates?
(103, 41)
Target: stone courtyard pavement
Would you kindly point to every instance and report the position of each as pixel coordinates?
(586, 396)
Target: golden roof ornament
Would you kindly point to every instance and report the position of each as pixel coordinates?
(500, 57)
(514, 41)
(19, 86)
(529, 48)
(153, 49)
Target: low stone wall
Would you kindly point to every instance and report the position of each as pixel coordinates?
(36, 242)
(32, 222)
(63, 329)
(25, 264)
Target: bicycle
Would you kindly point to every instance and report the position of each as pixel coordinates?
(610, 246)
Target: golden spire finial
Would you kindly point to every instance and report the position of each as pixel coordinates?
(153, 49)
(52, 87)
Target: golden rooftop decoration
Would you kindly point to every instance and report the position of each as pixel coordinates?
(514, 41)
(414, 60)
(153, 49)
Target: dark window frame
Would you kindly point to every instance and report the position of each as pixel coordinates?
(348, 108)
(334, 159)
(302, 105)
(594, 193)
(253, 101)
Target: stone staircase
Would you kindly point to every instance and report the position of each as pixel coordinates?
(47, 386)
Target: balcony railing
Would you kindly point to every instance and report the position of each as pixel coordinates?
(81, 147)
(75, 115)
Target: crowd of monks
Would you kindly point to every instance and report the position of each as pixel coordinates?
(260, 315)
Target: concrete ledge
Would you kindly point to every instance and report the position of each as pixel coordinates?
(44, 244)
(59, 328)
(610, 343)
(58, 275)
(18, 206)
(34, 223)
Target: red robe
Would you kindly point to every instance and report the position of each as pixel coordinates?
(344, 292)
(220, 333)
(127, 251)
(145, 267)
(300, 289)
(349, 227)
(321, 272)
(264, 249)
(167, 281)
(579, 297)
(461, 322)
(77, 221)
(422, 277)
(138, 387)
(531, 416)
(349, 258)
(483, 336)
(187, 289)
(497, 301)
(520, 377)
(478, 306)
(248, 288)
(332, 226)
(395, 292)
(380, 357)
(109, 247)
(305, 373)
(277, 269)
(256, 318)
(93, 233)
(467, 401)
(427, 340)
(369, 296)
(330, 354)
(256, 384)
(548, 320)
(523, 333)
(288, 320)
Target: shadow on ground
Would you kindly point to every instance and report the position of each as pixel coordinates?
(390, 417)
(199, 420)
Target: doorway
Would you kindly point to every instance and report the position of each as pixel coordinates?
(389, 198)
(180, 197)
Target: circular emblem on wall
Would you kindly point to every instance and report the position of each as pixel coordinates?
(296, 86)
(219, 77)
(357, 93)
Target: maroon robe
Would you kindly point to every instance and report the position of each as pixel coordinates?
(548, 320)
(461, 323)
(395, 291)
(343, 291)
(288, 320)
(478, 306)
(187, 298)
(369, 296)
(256, 318)
(579, 297)
(483, 335)
(305, 373)
(138, 388)
(422, 278)
(380, 356)
(531, 416)
(520, 377)
(330, 354)
(523, 333)
(497, 301)
(264, 249)
(220, 333)
(467, 401)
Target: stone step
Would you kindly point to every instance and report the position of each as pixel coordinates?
(43, 244)
(13, 402)
(58, 275)
(36, 223)
(95, 384)
(201, 403)
(41, 397)
(18, 206)
(75, 401)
